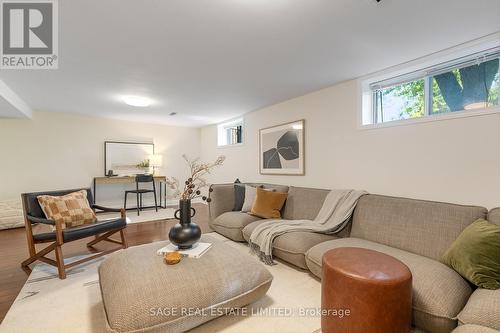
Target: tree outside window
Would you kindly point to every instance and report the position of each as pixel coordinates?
(471, 87)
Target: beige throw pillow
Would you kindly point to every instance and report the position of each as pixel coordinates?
(250, 194)
(71, 210)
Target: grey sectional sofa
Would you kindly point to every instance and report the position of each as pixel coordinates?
(302, 203)
(416, 232)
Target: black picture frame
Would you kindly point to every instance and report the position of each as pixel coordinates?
(121, 142)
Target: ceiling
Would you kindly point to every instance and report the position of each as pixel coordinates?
(214, 60)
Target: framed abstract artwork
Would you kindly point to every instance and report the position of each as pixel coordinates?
(282, 149)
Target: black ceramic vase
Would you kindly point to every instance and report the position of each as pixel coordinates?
(185, 233)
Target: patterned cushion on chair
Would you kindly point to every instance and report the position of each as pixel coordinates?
(71, 210)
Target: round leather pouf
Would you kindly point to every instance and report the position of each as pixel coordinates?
(365, 291)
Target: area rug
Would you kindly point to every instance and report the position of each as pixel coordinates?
(145, 215)
(47, 304)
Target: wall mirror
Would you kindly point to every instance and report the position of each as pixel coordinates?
(125, 158)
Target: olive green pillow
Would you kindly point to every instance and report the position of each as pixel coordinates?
(475, 254)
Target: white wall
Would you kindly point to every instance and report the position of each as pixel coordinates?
(60, 151)
(456, 160)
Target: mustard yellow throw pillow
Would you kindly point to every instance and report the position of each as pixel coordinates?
(70, 210)
(475, 254)
(268, 204)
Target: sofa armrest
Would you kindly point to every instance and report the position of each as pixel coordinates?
(482, 308)
(222, 200)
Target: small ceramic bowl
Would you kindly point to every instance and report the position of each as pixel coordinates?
(172, 258)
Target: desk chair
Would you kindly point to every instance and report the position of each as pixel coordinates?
(101, 230)
(139, 192)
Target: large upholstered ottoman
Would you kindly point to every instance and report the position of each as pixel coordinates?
(142, 294)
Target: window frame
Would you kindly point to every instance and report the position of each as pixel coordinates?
(424, 68)
(222, 127)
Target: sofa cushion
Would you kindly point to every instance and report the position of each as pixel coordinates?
(483, 308)
(247, 231)
(231, 224)
(474, 329)
(274, 187)
(222, 200)
(417, 330)
(422, 227)
(439, 293)
(291, 246)
(494, 216)
(303, 203)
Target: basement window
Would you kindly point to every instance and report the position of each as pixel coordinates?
(230, 133)
(469, 83)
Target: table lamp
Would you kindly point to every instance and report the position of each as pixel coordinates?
(155, 161)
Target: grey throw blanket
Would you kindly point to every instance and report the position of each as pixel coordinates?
(332, 218)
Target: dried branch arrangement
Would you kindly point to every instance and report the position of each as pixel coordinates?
(195, 183)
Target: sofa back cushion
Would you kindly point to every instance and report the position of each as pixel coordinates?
(494, 216)
(277, 188)
(222, 200)
(423, 227)
(303, 203)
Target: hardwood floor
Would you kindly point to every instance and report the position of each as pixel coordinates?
(13, 250)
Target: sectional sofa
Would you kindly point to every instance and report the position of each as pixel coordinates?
(416, 232)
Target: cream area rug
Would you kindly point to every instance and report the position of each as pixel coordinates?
(47, 304)
(145, 215)
(11, 214)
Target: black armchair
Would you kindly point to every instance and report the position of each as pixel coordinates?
(101, 230)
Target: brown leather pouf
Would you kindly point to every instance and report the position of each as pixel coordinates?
(365, 291)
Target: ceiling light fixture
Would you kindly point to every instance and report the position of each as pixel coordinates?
(137, 101)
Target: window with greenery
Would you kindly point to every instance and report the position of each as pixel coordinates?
(452, 87)
(230, 133)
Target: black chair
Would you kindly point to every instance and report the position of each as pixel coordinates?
(102, 230)
(140, 191)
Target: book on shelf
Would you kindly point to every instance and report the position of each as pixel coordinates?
(196, 251)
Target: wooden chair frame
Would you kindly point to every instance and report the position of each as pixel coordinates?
(59, 242)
